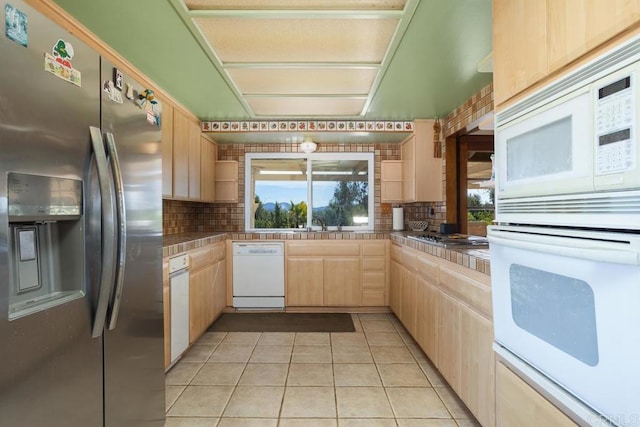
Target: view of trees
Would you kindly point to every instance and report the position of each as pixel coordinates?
(477, 210)
(350, 199)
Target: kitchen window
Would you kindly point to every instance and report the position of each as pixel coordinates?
(317, 190)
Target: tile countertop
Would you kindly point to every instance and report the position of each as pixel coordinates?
(475, 259)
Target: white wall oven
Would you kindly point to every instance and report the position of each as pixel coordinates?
(565, 250)
(566, 303)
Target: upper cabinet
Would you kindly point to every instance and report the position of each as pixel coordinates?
(208, 157)
(167, 149)
(422, 178)
(188, 158)
(391, 181)
(535, 39)
(226, 181)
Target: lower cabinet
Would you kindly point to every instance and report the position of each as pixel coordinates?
(446, 308)
(519, 405)
(201, 301)
(207, 288)
(207, 293)
(337, 273)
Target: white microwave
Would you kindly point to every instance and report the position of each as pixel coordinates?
(572, 148)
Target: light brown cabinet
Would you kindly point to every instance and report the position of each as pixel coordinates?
(207, 287)
(336, 273)
(180, 155)
(519, 405)
(422, 176)
(446, 308)
(374, 273)
(536, 39)
(209, 155)
(226, 177)
(167, 149)
(184, 165)
(391, 181)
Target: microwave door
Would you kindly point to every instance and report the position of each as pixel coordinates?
(547, 151)
(565, 302)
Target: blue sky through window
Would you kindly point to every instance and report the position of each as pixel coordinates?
(296, 191)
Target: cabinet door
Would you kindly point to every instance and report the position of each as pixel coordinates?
(201, 302)
(409, 301)
(575, 27)
(305, 281)
(207, 170)
(391, 181)
(449, 340)
(517, 404)
(519, 46)
(409, 170)
(427, 322)
(395, 284)
(180, 155)
(220, 288)
(167, 150)
(342, 281)
(194, 160)
(477, 360)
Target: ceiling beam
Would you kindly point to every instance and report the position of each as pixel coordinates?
(299, 14)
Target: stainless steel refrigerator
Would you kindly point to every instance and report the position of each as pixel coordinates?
(81, 332)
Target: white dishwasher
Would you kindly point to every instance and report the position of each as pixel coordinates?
(258, 274)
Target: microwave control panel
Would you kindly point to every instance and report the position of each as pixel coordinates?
(614, 126)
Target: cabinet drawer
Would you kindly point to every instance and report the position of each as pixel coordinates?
(337, 249)
(373, 297)
(200, 258)
(373, 248)
(373, 280)
(373, 264)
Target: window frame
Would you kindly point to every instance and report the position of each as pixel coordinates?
(309, 157)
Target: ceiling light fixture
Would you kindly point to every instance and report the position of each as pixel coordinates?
(308, 146)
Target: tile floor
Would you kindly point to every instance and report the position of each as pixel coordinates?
(374, 377)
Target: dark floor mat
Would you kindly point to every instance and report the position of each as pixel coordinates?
(283, 322)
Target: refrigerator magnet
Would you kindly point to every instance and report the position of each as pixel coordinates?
(16, 25)
(58, 63)
(117, 79)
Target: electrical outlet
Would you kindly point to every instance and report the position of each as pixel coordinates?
(385, 208)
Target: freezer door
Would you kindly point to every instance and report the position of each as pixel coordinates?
(51, 368)
(134, 348)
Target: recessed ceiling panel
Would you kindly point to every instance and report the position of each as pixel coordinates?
(308, 81)
(305, 106)
(277, 40)
(295, 4)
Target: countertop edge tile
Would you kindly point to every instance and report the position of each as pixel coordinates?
(474, 259)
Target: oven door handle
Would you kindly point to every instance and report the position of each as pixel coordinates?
(593, 250)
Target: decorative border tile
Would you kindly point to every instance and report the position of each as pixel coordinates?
(301, 125)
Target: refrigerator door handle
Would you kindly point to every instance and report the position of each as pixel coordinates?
(122, 229)
(108, 232)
